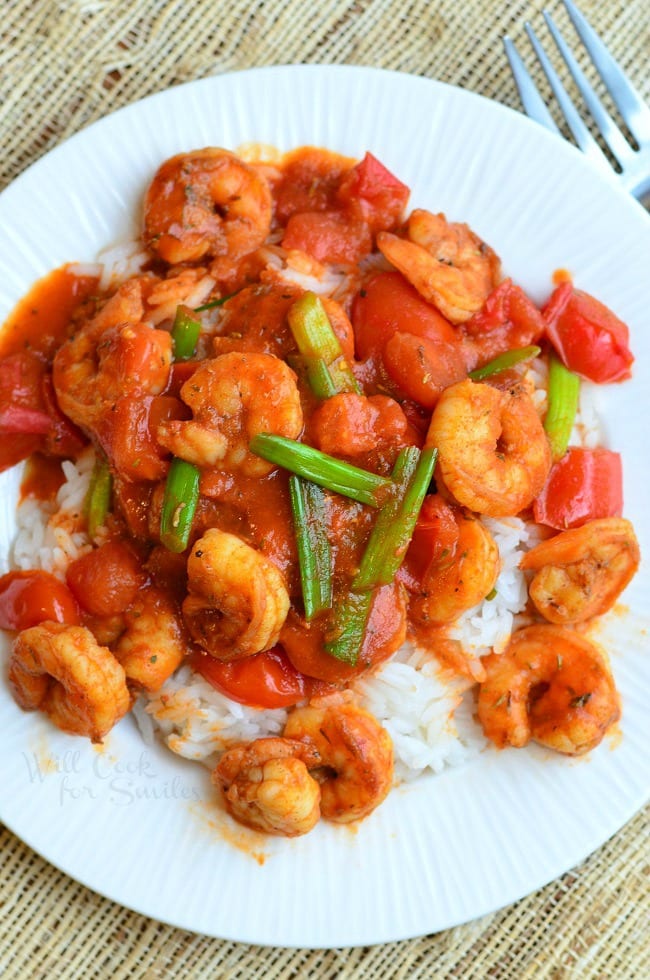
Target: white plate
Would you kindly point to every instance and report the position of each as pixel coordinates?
(138, 825)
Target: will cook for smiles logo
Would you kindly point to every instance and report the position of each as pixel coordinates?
(123, 782)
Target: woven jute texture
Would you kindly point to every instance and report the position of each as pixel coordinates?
(66, 63)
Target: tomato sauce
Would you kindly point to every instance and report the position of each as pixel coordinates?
(41, 320)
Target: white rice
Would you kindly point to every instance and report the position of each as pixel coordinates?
(120, 262)
(50, 536)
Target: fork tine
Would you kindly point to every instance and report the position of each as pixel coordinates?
(630, 104)
(610, 131)
(583, 137)
(533, 104)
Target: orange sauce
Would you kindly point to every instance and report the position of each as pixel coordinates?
(42, 477)
(561, 276)
(41, 319)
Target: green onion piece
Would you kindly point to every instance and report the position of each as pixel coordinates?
(396, 520)
(504, 361)
(326, 471)
(215, 302)
(179, 505)
(314, 372)
(346, 636)
(318, 343)
(563, 394)
(314, 552)
(185, 333)
(98, 498)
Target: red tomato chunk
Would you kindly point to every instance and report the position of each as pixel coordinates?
(106, 580)
(588, 337)
(584, 485)
(265, 680)
(30, 598)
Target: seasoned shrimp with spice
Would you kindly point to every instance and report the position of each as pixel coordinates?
(62, 671)
(356, 756)
(580, 573)
(115, 354)
(267, 785)
(446, 262)
(234, 397)
(206, 204)
(237, 600)
(154, 643)
(459, 580)
(550, 685)
(494, 456)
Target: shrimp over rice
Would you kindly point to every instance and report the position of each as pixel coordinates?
(304, 495)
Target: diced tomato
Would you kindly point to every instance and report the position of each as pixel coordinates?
(328, 236)
(30, 598)
(423, 368)
(105, 581)
(30, 418)
(434, 540)
(128, 434)
(584, 485)
(347, 424)
(64, 438)
(587, 336)
(509, 319)
(389, 303)
(373, 191)
(265, 680)
(23, 419)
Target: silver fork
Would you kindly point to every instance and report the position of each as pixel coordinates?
(634, 175)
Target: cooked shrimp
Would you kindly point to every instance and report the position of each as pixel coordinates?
(153, 644)
(581, 572)
(205, 204)
(114, 354)
(237, 600)
(447, 263)
(494, 456)
(458, 581)
(356, 756)
(63, 671)
(267, 785)
(550, 685)
(233, 398)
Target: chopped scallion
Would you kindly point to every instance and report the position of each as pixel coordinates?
(314, 552)
(563, 395)
(326, 366)
(345, 638)
(98, 498)
(326, 471)
(179, 504)
(396, 520)
(185, 333)
(504, 361)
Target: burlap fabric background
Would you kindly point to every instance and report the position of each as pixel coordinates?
(66, 63)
